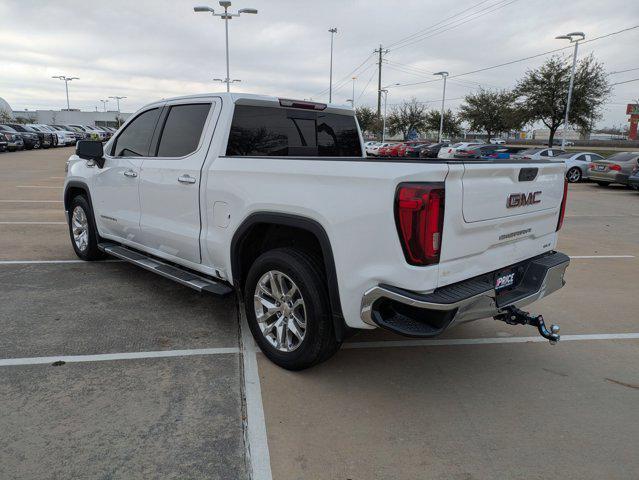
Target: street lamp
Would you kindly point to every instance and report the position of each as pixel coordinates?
(352, 99)
(384, 90)
(235, 80)
(104, 104)
(573, 37)
(226, 16)
(66, 85)
(332, 31)
(441, 114)
(117, 99)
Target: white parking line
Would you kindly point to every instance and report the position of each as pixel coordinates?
(54, 262)
(488, 341)
(33, 223)
(30, 201)
(116, 356)
(256, 440)
(601, 256)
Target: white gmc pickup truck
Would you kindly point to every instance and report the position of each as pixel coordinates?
(274, 199)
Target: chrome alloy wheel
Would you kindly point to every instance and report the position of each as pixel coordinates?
(280, 311)
(80, 228)
(574, 175)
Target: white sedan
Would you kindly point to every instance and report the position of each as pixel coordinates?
(449, 152)
(577, 164)
(373, 151)
(497, 141)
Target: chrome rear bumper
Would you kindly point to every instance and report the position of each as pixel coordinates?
(428, 315)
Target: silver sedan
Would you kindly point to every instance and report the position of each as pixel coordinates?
(577, 164)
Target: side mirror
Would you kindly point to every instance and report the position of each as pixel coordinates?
(90, 150)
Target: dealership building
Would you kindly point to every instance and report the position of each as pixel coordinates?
(66, 117)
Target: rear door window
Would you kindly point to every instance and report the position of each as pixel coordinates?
(135, 139)
(272, 131)
(183, 129)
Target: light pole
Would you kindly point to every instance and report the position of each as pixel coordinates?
(66, 85)
(117, 99)
(441, 114)
(226, 16)
(384, 90)
(104, 104)
(352, 99)
(332, 31)
(235, 80)
(573, 37)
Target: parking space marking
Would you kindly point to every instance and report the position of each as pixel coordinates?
(104, 357)
(257, 450)
(30, 201)
(33, 223)
(601, 256)
(488, 341)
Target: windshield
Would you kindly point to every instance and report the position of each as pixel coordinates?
(7, 128)
(531, 151)
(622, 157)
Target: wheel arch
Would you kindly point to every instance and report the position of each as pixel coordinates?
(73, 188)
(269, 220)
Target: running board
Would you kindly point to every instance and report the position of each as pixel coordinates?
(179, 275)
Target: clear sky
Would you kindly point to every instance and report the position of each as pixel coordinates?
(147, 50)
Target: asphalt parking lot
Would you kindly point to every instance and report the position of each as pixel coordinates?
(167, 385)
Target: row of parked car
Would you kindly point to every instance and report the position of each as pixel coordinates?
(621, 168)
(16, 136)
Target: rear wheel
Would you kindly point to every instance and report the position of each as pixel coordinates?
(288, 310)
(603, 184)
(82, 230)
(573, 175)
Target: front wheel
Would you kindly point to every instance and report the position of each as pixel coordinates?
(82, 230)
(573, 175)
(288, 309)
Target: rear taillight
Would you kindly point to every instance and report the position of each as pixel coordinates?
(615, 167)
(591, 166)
(562, 211)
(419, 216)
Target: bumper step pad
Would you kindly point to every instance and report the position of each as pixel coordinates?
(177, 274)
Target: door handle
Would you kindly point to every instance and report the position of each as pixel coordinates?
(130, 173)
(186, 179)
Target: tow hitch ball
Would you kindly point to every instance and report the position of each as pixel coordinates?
(514, 316)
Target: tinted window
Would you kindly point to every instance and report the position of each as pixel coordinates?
(135, 139)
(271, 131)
(580, 157)
(183, 129)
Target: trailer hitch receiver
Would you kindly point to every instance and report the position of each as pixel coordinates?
(514, 316)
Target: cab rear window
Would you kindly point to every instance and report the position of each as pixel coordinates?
(272, 131)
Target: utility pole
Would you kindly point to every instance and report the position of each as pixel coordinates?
(332, 31)
(381, 52)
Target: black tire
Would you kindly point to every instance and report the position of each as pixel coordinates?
(603, 184)
(573, 175)
(319, 341)
(90, 251)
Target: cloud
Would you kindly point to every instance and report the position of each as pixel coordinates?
(148, 49)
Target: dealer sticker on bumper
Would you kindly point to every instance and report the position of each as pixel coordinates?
(505, 280)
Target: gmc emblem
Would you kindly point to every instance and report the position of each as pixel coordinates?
(522, 199)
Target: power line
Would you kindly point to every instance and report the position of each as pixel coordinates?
(462, 21)
(409, 37)
(525, 58)
(626, 81)
(346, 77)
(366, 87)
(419, 72)
(624, 71)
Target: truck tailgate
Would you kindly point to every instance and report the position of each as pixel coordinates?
(508, 213)
(497, 190)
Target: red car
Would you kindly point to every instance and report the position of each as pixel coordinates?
(383, 151)
(393, 151)
(401, 151)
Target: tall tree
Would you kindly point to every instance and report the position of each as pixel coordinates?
(368, 120)
(452, 124)
(491, 111)
(409, 116)
(542, 93)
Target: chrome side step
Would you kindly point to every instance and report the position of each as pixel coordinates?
(179, 275)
